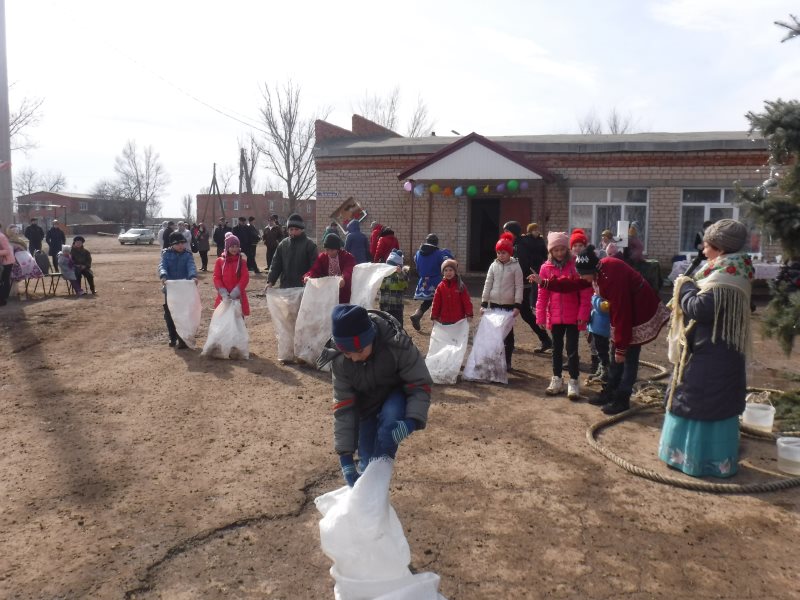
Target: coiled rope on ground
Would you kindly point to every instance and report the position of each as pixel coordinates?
(682, 482)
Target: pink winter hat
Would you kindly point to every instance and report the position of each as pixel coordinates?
(231, 240)
(557, 238)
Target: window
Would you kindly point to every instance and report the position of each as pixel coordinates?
(235, 205)
(596, 209)
(701, 205)
(308, 208)
(83, 206)
(272, 204)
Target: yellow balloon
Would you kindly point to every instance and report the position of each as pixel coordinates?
(604, 306)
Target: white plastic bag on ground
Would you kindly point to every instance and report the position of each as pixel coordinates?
(446, 351)
(367, 279)
(283, 305)
(184, 304)
(227, 333)
(361, 533)
(314, 318)
(487, 361)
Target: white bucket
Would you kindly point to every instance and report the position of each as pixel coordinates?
(758, 416)
(789, 455)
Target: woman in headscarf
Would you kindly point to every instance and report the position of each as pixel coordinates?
(709, 338)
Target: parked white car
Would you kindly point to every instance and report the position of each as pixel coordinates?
(136, 236)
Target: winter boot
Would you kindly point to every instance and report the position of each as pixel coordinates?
(573, 390)
(603, 398)
(620, 403)
(556, 386)
(415, 319)
(545, 345)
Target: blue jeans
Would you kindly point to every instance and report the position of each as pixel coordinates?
(623, 376)
(369, 445)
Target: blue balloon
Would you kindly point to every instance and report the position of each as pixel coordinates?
(419, 190)
(459, 191)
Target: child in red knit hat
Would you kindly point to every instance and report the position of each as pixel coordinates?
(503, 287)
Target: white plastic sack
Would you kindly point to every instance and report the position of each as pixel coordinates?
(446, 351)
(227, 333)
(314, 318)
(367, 279)
(27, 264)
(361, 533)
(487, 361)
(283, 305)
(184, 304)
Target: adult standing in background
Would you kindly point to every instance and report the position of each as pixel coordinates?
(356, 243)
(700, 435)
(203, 245)
(251, 251)
(160, 234)
(294, 257)
(375, 233)
(183, 229)
(273, 234)
(219, 234)
(429, 259)
(242, 231)
(35, 235)
(528, 253)
(168, 231)
(386, 243)
(55, 239)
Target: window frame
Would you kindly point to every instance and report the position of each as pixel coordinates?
(707, 207)
(609, 191)
(83, 206)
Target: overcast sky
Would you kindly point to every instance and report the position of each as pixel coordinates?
(110, 70)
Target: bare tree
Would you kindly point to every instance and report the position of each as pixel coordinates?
(289, 141)
(21, 120)
(793, 28)
(188, 212)
(141, 178)
(421, 124)
(380, 110)
(589, 124)
(615, 123)
(29, 180)
(224, 178)
(248, 159)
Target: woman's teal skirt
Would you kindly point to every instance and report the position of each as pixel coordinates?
(700, 448)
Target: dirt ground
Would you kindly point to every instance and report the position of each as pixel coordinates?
(132, 470)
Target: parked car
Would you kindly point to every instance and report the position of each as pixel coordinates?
(136, 236)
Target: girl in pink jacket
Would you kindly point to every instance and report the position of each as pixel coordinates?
(564, 313)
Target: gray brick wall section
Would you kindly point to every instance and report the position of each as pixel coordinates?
(382, 194)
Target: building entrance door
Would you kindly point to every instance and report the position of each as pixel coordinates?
(484, 228)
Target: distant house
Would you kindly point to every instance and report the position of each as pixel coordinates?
(79, 213)
(260, 206)
(667, 183)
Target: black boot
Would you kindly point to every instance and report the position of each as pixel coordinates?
(545, 345)
(603, 398)
(415, 319)
(621, 403)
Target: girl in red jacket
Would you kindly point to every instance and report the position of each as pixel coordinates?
(451, 301)
(564, 313)
(386, 243)
(333, 261)
(230, 274)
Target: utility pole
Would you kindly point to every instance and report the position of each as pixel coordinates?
(6, 198)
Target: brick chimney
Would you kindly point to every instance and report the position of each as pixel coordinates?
(365, 128)
(324, 131)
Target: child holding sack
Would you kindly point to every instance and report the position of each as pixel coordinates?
(451, 301)
(231, 275)
(67, 267)
(394, 286)
(503, 287)
(564, 313)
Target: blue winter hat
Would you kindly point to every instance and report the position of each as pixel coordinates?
(395, 258)
(352, 328)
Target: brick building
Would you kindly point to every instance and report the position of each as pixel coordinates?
(668, 183)
(260, 206)
(78, 213)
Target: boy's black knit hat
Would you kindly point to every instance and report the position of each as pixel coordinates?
(587, 261)
(295, 220)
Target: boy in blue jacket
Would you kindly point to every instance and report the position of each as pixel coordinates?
(176, 263)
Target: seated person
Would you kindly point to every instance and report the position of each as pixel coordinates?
(83, 262)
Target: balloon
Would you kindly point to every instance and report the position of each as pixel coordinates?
(486, 189)
(459, 191)
(501, 187)
(419, 190)
(472, 191)
(513, 185)
(435, 189)
(523, 185)
(408, 186)
(448, 191)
